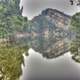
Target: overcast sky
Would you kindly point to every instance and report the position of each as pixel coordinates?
(34, 7)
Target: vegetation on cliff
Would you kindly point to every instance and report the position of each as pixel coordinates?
(75, 44)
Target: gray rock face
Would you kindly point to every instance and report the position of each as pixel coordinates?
(50, 34)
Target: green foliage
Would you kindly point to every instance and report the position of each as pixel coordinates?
(75, 45)
(2, 9)
(10, 61)
(16, 23)
(11, 21)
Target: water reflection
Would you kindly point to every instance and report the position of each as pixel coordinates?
(62, 67)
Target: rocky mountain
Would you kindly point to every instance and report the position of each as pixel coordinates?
(47, 33)
(50, 34)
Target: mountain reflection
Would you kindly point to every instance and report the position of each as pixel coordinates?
(38, 67)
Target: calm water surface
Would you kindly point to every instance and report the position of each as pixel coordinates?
(61, 67)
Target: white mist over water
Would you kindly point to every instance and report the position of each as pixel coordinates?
(35, 64)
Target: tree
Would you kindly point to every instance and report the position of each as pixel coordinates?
(10, 62)
(11, 21)
(75, 44)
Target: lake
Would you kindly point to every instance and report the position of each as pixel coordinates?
(62, 67)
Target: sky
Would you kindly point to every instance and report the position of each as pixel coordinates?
(35, 63)
(34, 7)
(61, 67)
